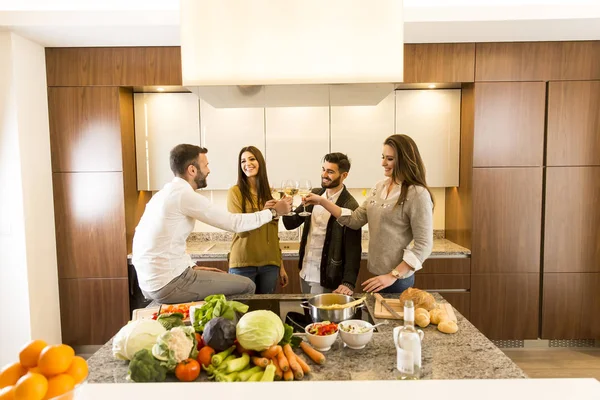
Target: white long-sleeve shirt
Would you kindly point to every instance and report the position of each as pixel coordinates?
(159, 241)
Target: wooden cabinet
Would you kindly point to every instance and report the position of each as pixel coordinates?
(439, 62)
(509, 124)
(572, 220)
(507, 220)
(92, 310)
(506, 306)
(571, 305)
(85, 129)
(359, 131)
(297, 131)
(227, 128)
(537, 61)
(432, 119)
(573, 123)
(162, 121)
(113, 66)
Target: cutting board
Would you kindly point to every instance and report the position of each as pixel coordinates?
(382, 313)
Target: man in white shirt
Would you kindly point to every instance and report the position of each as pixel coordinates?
(166, 273)
(329, 252)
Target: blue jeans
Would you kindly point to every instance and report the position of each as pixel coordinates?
(400, 285)
(265, 277)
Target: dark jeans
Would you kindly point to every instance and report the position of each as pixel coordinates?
(400, 285)
(264, 277)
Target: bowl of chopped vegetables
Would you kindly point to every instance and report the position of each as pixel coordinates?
(322, 334)
(356, 333)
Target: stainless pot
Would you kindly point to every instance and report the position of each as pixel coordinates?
(320, 314)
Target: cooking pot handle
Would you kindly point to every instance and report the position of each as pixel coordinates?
(305, 304)
(361, 305)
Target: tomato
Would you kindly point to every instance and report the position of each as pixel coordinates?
(187, 370)
(205, 355)
(200, 341)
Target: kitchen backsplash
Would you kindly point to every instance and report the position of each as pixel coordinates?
(219, 197)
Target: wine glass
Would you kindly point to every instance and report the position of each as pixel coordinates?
(290, 187)
(304, 189)
(277, 194)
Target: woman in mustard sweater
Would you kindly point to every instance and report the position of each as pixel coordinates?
(255, 254)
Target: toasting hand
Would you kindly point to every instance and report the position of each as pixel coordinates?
(312, 199)
(283, 206)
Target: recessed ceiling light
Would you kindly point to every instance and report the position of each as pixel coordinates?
(162, 89)
(432, 86)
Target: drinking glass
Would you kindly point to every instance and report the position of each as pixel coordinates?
(290, 188)
(304, 189)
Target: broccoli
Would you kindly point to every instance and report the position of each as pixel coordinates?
(171, 320)
(145, 368)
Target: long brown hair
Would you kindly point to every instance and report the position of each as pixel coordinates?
(409, 167)
(263, 190)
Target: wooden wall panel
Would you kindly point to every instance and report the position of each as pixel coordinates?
(461, 301)
(572, 219)
(446, 266)
(113, 66)
(90, 225)
(92, 310)
(442, 281)
(85, 130)
(439, 62)
(506, 306)
(509, 124)
(573, 123)
(507, 213)
(459, 221)
(537, 61)
(571, 306)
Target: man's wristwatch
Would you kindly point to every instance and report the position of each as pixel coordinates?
(397, 274)
(273, 212)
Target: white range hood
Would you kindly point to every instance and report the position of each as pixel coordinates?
(289, 42)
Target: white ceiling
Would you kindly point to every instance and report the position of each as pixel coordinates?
(75, 23)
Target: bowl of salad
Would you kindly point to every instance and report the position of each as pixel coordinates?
(356, 333)
(321, 335)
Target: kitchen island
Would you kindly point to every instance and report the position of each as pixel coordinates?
(468, 354)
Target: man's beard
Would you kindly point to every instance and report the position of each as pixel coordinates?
(200, 180)
(329, 184)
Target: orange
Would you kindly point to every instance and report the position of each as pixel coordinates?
(36, 370)
(55, 359)
(59, 384)
(31, 352)
(31, 387)
(78, 369)
(8, 393)
(10, 374)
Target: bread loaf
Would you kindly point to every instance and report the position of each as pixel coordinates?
(437, 315)
(422, 318)
(420, 298)
(448, 326)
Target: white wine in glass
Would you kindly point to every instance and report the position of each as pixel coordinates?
(290, 187)
(277, 194)
(304, 188)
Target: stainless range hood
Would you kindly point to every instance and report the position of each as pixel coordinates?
(245, 44)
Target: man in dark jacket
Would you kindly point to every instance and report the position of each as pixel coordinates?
(329, 252)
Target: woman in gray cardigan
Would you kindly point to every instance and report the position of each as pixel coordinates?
(398, 210)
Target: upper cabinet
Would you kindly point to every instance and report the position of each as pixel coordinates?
(432, 119)
(230, 119)
(439, 62)
(573, 123)
(297, 131)
(509, 116)
(162, 121)
(359, 130)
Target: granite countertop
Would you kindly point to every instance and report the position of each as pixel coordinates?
(468, 354)
(202, 250)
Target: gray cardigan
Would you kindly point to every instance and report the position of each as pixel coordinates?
(392, 228)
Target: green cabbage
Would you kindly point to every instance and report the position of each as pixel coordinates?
(258, 330)
(135, 336)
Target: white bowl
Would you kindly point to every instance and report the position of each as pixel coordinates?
(321, 343)
(356, 341)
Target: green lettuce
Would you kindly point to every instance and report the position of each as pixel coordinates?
(217, 306)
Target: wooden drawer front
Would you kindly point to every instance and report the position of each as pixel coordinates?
(446, 266)
(460, 301)
(442, 281)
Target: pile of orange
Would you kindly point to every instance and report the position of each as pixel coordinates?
(43, 372)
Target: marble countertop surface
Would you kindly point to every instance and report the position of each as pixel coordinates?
(468, 354)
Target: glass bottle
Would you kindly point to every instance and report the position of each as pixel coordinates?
(408, 345)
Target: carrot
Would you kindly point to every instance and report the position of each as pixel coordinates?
(291, 356)
(283, 361)
(260, 361)
(278, 371)
(303, 364)
(271, 352)
(288, 375)
(314, 355)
